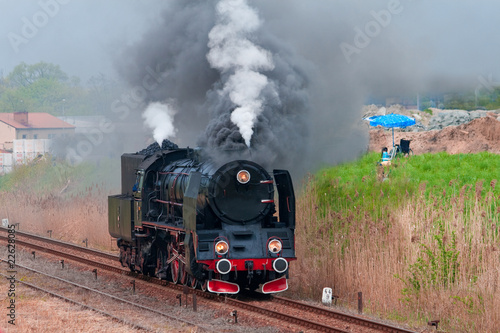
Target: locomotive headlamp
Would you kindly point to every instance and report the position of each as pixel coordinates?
(243, 176)
(223, 266)
(274, 246)
(221, 247)
(280, 265)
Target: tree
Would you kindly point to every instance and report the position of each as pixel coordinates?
(12, 100)
(24, 75)
(44, 87)
(39, 87)
(3, 86)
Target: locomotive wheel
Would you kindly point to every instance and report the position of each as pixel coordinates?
(183, 275)
(174, 269)
(125, 256)
(174, 263)
(144, 268)
(193, 282)
(160, 264)
(203, 285)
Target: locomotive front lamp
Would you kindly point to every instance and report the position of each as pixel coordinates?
(223, 266)
(280, 265)
(243, 176)
(274, 246)
(221, 247)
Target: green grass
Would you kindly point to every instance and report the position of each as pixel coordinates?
(358, 188)
(423, 236)
(46, 175)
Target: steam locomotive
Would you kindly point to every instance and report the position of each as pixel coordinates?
(193, 221)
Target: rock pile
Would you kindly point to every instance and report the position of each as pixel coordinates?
(480, 134)
(453, 118)
(435, 119)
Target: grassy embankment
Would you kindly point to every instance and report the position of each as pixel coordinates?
(69, 200)
(421, 245)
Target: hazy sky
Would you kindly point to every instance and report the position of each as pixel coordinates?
(330, 55)
(82, 36)
(437, 37)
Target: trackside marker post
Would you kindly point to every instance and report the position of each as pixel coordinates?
(327, 296)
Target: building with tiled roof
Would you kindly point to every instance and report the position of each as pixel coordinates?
(24, 125)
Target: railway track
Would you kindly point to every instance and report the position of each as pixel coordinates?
(358, 321)
(68, 295)
(60, 243)
(311, 317)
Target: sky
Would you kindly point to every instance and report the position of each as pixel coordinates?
(82, 36)
(451, 37)
(328, 57)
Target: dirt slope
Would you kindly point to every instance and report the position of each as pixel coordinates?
(482, 134)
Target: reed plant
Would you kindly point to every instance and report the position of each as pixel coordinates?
(420, 241)
(69, 201)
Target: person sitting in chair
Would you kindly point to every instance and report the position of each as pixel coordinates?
(386, 158)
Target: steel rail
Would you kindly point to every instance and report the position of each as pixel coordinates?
(69, 256)
(69, 300)
(284, 317)
(101, 254)
(342, 316)
(140, 306)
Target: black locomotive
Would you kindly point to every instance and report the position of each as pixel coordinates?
(193, 221)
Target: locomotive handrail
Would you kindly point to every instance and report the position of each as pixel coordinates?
(168, 202)
(173, 173)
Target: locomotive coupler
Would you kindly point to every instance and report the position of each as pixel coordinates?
(249, 267)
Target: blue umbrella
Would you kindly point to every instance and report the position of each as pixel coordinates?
(392, 120)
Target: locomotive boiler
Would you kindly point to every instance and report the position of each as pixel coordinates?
(194, 221)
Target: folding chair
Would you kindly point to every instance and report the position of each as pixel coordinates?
(404, 147)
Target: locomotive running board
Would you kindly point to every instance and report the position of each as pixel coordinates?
(275, 286)
(222, 287)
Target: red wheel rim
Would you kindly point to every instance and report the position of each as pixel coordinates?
(174, 268)
(160, 260)
(193, 282)
(183, 274)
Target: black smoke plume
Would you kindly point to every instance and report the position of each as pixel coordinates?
(309, 115)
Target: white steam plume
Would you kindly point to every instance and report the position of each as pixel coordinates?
(160, 118)
(232, 52)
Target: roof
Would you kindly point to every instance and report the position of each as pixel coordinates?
(35, 120)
